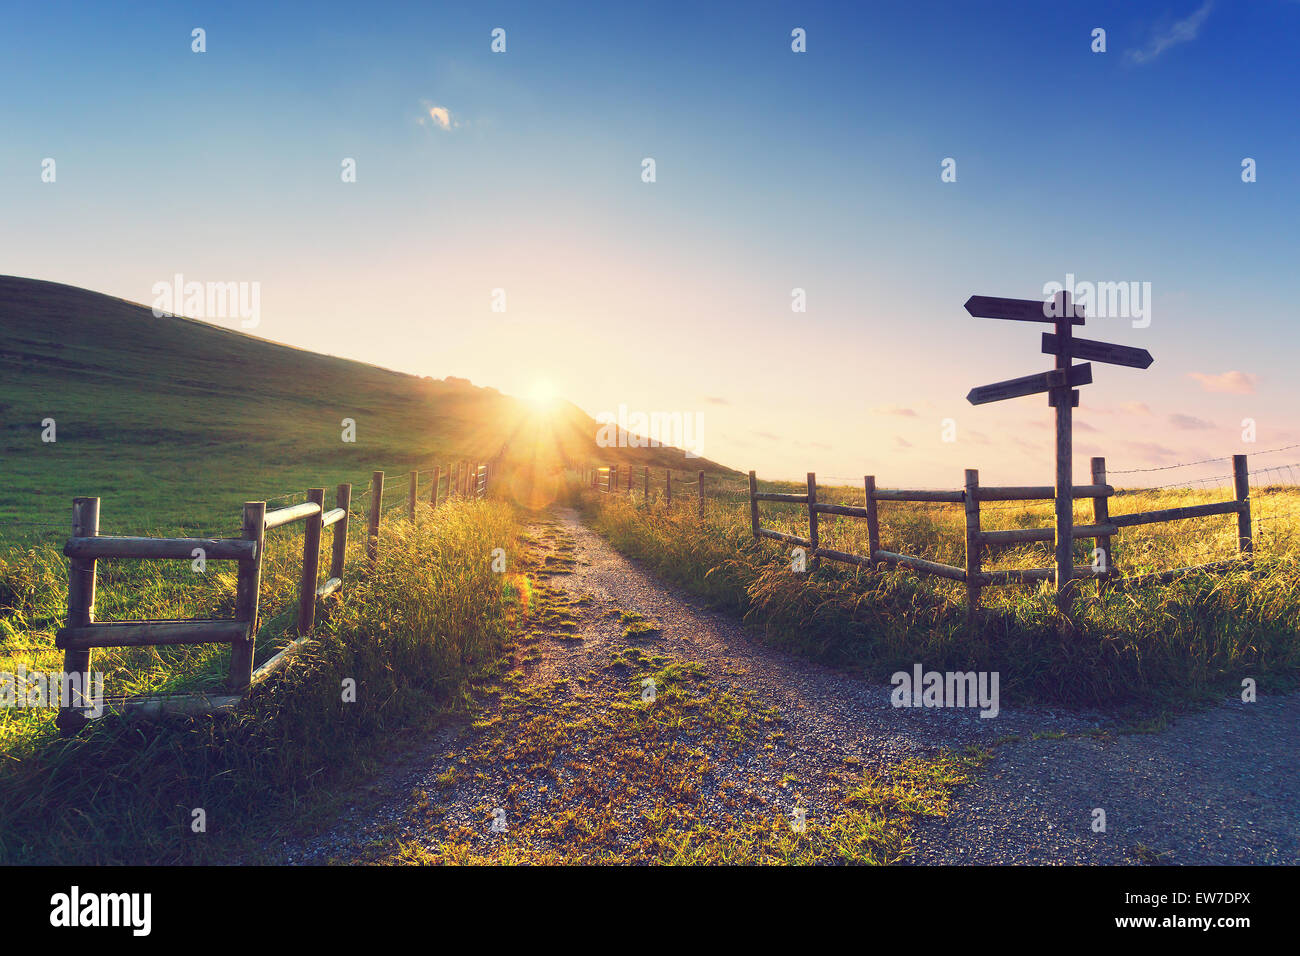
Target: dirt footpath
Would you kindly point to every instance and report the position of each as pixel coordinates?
(1217, 787)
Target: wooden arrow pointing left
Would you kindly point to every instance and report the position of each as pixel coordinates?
(1030, 384)
(1022, 310)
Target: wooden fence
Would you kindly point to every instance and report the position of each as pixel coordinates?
(81, 633)
(608, 479)
(1104, 527)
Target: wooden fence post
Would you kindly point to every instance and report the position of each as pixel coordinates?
(342, 499)
(310, 564)
(1101, 515)
(668, 487)
(753, 504)
(376, 509)
(699, 485)
(645, 490)
(611, 485)
(81, 612)
(437, 480)
(247, 585)
(1241, 483)
(873, 520)
(813, 562)
(973, 543)
(411, 493)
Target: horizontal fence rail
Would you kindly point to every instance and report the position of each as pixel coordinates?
(81, 633)
(1104, 527)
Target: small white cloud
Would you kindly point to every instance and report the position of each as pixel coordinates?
(440, 115)
(1237, 383)
(433, 115)
(1182, 31)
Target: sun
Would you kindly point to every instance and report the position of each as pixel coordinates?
(542, 393)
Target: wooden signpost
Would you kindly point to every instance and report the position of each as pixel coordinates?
(1059, 383)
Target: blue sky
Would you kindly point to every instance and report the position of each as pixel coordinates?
(775, 170)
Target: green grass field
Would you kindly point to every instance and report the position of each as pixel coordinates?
(175, 423)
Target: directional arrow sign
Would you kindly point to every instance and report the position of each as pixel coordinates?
(1026, 310)
(1030, 384)
(1100, 351)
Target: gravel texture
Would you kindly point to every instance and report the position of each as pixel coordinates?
(1218, 787)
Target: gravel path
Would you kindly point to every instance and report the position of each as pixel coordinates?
(1218, 787)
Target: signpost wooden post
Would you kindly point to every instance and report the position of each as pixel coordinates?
(1064, 404)
(1059, 383)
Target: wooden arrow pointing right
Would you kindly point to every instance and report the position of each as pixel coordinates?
(1100, 351)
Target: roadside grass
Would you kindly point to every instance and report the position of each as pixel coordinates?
(1145, 648)
(412, 635)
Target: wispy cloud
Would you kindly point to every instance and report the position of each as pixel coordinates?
(1237, 383)
(1189, 422)
(715, 400)
(1149, 451)
(1182, 31)
(895, 410)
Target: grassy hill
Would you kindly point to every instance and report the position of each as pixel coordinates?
(175, 423)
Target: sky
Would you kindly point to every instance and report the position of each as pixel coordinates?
(909, 156)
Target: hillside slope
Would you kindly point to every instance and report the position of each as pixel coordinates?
(175, 422)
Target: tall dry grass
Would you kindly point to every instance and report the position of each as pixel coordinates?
(409, 635)
(1148, 647)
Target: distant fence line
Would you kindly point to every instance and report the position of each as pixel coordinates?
(82, 633)
(615, 479)
(1104, 527)
(972, 496)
